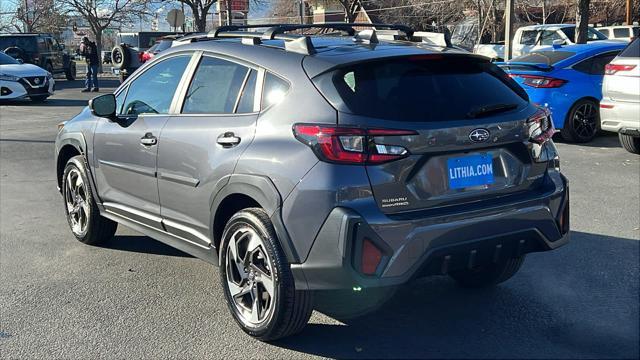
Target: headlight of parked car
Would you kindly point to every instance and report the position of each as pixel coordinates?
(7, 77)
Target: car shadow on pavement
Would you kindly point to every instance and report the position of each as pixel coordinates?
(604, 139)
(578, 301)
(141, 244)
(48, 103)
(79, 83)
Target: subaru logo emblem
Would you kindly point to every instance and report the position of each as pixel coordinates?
(37, 81)
(479, 135)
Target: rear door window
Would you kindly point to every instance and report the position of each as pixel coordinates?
(606, 32)
(215, 87)
(418, 89)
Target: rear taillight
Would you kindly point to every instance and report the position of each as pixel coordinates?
(347, 145)
(541, 81)
(611, 69)
(540, 126)
(145, 56)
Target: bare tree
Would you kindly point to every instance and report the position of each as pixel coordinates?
(351, 9)
(199, 9)
(35, 16)
(102, 14)
(582, 21)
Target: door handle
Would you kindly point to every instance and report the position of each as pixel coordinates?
(228, 139)
(148, 140)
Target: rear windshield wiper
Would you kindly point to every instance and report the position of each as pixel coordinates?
(490, 109)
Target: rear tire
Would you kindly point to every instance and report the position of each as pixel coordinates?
(630, 143)
(83, 216)
(489, 275)
(265, 302)
(70, 74)
(582, 122)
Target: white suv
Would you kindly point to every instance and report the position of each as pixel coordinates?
(620, 105)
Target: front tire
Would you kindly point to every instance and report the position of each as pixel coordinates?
(257, 279)
(83, 216)
(630, 143)
(582, 122)
(489, 275)
(39, 99)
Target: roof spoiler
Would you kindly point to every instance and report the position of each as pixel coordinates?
(516, 64)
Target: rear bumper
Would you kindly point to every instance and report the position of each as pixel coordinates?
(434, 243)
(620, 117)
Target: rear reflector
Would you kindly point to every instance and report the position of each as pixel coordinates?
(606, 106)
(350, 145)
(611, 69)
(371, 257)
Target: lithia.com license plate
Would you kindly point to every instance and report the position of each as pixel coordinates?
(472, 170)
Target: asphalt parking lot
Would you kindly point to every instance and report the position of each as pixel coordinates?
(135, 297)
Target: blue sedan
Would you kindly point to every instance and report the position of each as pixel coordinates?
(568, 80)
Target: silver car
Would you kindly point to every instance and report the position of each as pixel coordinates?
(620, 105)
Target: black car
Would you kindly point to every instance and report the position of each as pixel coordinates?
(129, 54)
(39, 49)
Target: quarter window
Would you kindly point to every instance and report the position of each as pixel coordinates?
(152, 92)
(274, 90)
(215, 87)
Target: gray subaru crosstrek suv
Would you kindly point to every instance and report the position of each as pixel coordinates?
(333, 166)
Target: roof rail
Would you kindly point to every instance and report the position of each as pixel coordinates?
(301, 43)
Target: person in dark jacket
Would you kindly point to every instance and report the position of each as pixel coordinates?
(89, 50)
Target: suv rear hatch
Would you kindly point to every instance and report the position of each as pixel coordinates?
(466, 129)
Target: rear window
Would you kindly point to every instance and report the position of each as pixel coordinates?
(163, 45)
(621, 32)
(544, 57)
(418, 89)
(632, 50)
(26, 43)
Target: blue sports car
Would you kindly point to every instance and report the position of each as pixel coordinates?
(568, 80)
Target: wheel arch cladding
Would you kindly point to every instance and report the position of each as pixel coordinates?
(66, 152)
(243, 191)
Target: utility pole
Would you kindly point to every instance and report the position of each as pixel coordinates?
(184, 22)
(628, 14)
(228, 11)
(26, 18)
(508, 30)
(301, 11)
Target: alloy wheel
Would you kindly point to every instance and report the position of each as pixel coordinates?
(250, 277)
(585, 121)
(77, 201)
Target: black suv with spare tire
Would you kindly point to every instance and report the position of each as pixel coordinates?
(126, 57)
(39, 49)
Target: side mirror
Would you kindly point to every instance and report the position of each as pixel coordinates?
(558, 43)
(103, 106)
(20, 61)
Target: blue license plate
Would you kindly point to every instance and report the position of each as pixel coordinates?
(472, 170)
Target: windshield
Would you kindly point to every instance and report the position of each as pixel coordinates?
(7, 60)
(164, 45)
(592, 34)
(419, 89)
(544, 57)
(26, 43)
